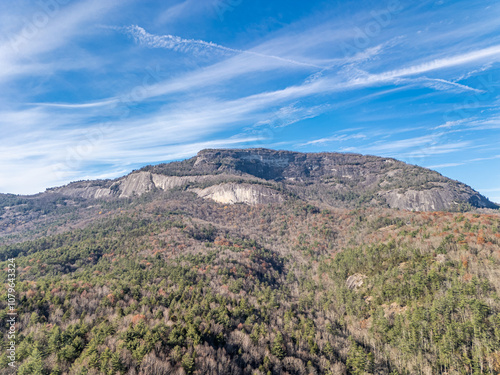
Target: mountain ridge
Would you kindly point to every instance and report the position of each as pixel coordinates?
(329, 178)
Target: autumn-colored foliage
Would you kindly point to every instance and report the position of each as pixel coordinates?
(179, 284)
(137, 318)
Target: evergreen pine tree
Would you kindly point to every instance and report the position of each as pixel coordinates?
(188, 362)
(278, 348)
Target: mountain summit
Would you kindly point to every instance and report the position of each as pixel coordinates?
(254, 176)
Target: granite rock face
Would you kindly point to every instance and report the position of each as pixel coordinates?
(435, 199)
(85, 190)
(231, 193)
(136, 184)
(335, 179)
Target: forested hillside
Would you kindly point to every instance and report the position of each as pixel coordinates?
(172, 283)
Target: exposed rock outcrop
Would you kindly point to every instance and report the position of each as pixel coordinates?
(355, 281)
(231, 193)
(171, 182)
(136, 184)
(85, 190)
(434, 199)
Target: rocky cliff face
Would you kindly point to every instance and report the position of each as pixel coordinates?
(231, 193)
(85, 190)
(330, 178)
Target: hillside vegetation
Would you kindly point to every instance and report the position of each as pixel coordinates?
(172, 283)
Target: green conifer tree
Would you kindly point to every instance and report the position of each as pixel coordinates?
(278, 347)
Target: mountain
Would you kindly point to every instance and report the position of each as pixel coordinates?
(250, 176)
(231, 176)
(254, 262)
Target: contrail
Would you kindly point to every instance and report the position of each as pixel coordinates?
(177, 43)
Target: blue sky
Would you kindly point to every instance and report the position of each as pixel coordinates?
(95, 89)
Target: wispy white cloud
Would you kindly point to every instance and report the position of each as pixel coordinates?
(292, 114)
(335, 138)
(183, 10)
(413, 148)
(404, 144)
(444, 85)
(444, 165)
(33, 39)
(486, 158)
(240, 62)
(428, 66)
(179, 44)
(450, 124)
(323, 84)
(440, 149)
(102, 103)
(474, 72)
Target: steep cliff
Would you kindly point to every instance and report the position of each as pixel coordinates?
(231, 193)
